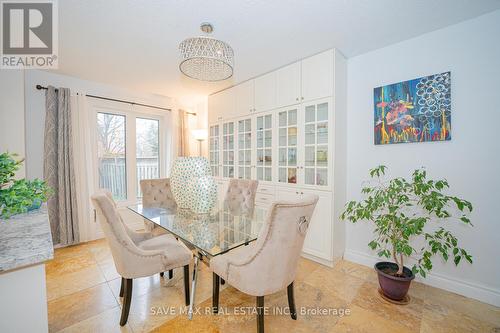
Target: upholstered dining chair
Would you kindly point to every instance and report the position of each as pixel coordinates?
(270, 263)
(156, 193)
(240, 196)
(138, 254)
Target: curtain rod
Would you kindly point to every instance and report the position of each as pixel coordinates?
(39, 87)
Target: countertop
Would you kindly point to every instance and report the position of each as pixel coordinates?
(25, 239)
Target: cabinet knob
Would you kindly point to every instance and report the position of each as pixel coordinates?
(297, 99)
(302, 98)
(301, 192)
(296, 192)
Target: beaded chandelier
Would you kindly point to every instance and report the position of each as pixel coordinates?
(206, 58)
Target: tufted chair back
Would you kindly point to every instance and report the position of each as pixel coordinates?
(270, 263)
(157, 193)
(240, 196)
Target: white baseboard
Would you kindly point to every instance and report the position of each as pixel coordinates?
(317, 259)
(468, 289)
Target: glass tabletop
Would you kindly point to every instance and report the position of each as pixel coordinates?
(214, 233)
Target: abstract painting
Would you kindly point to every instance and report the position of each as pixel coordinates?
(417, 110)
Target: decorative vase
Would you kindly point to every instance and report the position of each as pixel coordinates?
(203, 193)
(192, 185)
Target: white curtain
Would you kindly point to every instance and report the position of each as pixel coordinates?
(84, 165)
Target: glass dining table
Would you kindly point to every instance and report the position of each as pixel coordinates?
(207, 235)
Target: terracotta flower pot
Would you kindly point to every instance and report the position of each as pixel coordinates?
(393, 287)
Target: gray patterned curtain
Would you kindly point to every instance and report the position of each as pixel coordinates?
(58, 167)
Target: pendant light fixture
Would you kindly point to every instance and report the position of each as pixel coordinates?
(205, 58)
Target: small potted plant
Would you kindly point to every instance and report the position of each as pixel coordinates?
(400, 210)
(19, 195)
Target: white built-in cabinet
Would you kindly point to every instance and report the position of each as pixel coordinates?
(279, 128)
(288, 84)
(244, 98)
(317, 78)
(265, 92)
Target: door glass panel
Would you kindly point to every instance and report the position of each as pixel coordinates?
(268, 138)
(292, 117)
(282, 175)
(282, 156)
(292, 136)
(309, 176)
(310, 114)
(282, 136)
(292, 156)
(287, 151)
(282, 119)
(268, 174)
(228, 150)
(260, 123)
(316, 144)
(264, 157)
(292, 175)
(309, 152)
(322, 133)
(214, 150)
(260, 157)
(322, 156)
(268, 157)
(309, 131)
(244, 148)
(322, 175)
(111, 153)
(147, 150)
(322, 112)
(260, 174)
(268, 121)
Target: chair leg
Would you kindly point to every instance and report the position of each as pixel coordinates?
(171, 274)
(260, 314)
(291, 301)
(121, 287)
(161, 274)
(215, 293)
(222, 281)
(126, 302)
(186, 284)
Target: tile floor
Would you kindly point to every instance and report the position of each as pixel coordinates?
(83, 286)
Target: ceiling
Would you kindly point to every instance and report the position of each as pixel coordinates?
(134, 44)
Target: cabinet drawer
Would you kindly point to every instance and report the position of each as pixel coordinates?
(262, 198)
(265, 189)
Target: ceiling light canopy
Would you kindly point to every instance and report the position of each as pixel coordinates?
(206, 58)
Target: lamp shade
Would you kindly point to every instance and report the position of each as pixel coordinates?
(199, 134)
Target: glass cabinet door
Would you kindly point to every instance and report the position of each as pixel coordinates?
(214, 149)
(264, 134)
(228, 150)
(316, 144)
(245, 148)
(287, 146)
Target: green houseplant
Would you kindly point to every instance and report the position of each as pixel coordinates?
(18, 195)
(400, 209)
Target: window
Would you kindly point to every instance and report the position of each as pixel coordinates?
(111, 152)
(131, 146)
(147, 150)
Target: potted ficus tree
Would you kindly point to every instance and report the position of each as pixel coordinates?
(400, 209)
(19, 195)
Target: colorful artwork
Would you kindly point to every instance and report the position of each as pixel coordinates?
(413, 111)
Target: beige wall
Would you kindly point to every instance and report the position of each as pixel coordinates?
(12, 113)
